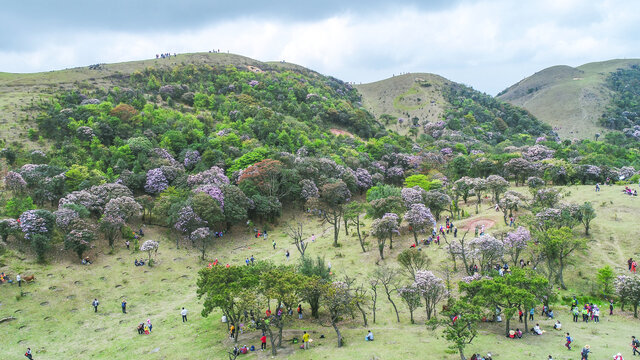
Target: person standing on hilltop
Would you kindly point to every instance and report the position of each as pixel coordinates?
(124, 306)
(184, 314)
(28, 354)
(95, 304)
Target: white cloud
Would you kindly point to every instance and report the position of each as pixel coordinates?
(486, 44)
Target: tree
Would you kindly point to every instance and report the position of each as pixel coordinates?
(188, 221)
(267, 176)
(232, 290)
(207, 208)
(463, 187)
(413, 195)
(235, 206)
(333, 197)
(413, 260)
(388, 278)
(605, 278)
(586, 214)
(519, 168)
(392, 204)
(511, 202)
(479, 186)
(17, 205)
(487, 250)
(628, 289)
(203, 237)
(515, 242)
(296, 234)
(419, 218)
(79, 240)
(558, 246)
(110, 225)
(37, 226)
(8, 227)
(437, 202)
(497, 185)
(411, 297)
(317, 274)
(339, 301)
(352, 213)
(460, 324)
(149, 246)
(431, 288)
(116, 213)
(383, 229)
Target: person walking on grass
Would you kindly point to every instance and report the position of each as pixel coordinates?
(635, 344)
(19, 279)
(585, 352)
(95, 304)
(127, 243)
(299, 312)
(28, 354)
(274, 244)
(531, 312)
(569, 341)
(263, 342)
(124, 306)
(610, 306)
(184, 314)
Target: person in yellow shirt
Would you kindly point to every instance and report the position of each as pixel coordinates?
(305, 340)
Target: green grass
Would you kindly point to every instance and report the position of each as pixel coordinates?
(56, 320)
(572, 99)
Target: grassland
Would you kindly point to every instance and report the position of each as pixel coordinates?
(406, 96)
(569, 99)
(55, 317)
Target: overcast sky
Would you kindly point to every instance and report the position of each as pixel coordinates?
(488, 44)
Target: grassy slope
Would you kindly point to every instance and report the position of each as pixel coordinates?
(19, 91)
(570, 99)
(55, 318)
(403, 97)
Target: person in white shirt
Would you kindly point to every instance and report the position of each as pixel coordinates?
(184, 314)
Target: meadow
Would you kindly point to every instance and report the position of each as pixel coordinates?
(55, 318)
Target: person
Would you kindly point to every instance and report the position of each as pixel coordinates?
(236, 351)
(585, 314)
(232, 330)
(146, 329)
(520, 315)
(274, 244)
(305, 340)
(141, 328)
(19, 280)
(610, 306)
(313, 238)
(127, 243)
(629, 263)
(569, 341)
(518, 333)
(184, 314)
(263, 342)
(596, 314)
(557, 325)
(87, 261)
(576, 313)
(369, 336)
(136, 263)
(474, 357)
(531, 312)
(488, 357)
(299, 311)
(252, 259)
(635, 344)
(585, 352)
(124, 306)
(634, 265)
(617, 356)
(247, 261)
(597, 187)
(512, 334)
(550, 314)
(455, 232)
(550, 357)
(287, 254)
(28, 354)
(149, 324)
(536, 330)
(95, 304)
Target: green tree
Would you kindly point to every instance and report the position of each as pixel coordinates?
(17, 205)
(605, 278)
(558, 246)
(586, 214)
(352, 213)
(333, 198)
(459, 321)
(317, 274)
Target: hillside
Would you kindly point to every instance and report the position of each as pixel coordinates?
(569, 99)
(19, 93)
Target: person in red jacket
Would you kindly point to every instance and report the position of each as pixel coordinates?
(263, 340)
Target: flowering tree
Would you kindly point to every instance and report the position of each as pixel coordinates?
(82, 198)
(339, 300)
(384, 228)
(125, 207)
(534, 182)
(413, 195)
(487, 250)
(431, 288)
(213, 176)
(333, 198)
(479, 185)
(520, 168)
(546, 197)
(497, 185)
(628, 289)
(188, 221)
(395, 174)
(203, 236)
(538, 153)
(65, 218)
(419, 217)
(79, 240)
(463, 187)
(212, 191)
(37, 226)
(236, 204)
(156, 181)
(110, 225)
(191, 158)
(411, 297)
(511, 202)
(363, 179)
(515, 242)
(13, 181)
(8, 227)
(309, 189)
(150, 246)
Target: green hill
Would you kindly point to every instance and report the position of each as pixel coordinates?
(569, 99)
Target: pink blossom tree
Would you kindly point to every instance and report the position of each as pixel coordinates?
(384, 228)
(432, 289)
(419, 218)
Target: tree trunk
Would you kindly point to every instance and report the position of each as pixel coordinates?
(560, 275)
(360, 236)
(336, 230)
(394, 306)
(461, 354)
(390, 241)
(411, 315)
(635, 310)
(506, 330)
(335, 327)
(415, 237)
(364, 314)
(526, 324)
(346, 227)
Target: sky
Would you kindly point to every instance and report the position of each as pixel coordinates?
(487, 44)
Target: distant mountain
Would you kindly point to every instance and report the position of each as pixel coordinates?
(572, 100)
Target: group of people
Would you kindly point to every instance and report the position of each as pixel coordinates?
(632, 265)
(138, 263)
(480, 357)
(165, 55)
(145, 328)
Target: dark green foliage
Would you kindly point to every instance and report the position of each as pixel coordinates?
(624, 109)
